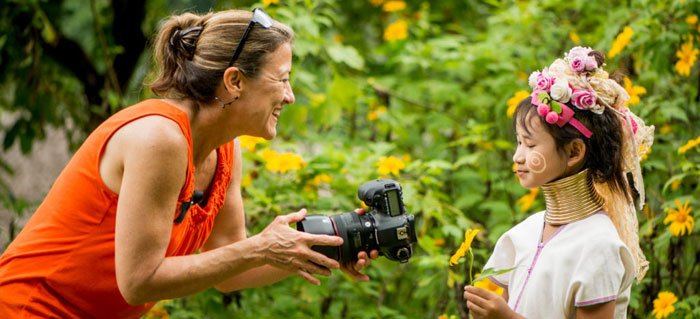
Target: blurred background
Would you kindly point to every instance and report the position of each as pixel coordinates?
(418, 91)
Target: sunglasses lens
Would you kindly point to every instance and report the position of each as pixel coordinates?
(262, 18)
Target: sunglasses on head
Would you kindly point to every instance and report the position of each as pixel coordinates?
(259, 17)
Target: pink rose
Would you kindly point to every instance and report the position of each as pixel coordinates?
(591, 63)
(544, 81)
(577, 64)
(583, 99)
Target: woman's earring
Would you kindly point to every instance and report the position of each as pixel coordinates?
(224, 105)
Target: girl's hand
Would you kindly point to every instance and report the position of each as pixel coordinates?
(484, 304)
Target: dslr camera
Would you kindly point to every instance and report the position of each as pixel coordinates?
(385, 226)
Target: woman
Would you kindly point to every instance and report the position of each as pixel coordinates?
(160, 180)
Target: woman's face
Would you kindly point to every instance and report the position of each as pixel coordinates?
(264, 97)
(536, 157)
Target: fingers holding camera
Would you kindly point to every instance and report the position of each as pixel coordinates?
(286, 248)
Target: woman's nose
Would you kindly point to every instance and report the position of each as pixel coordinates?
(289, 94)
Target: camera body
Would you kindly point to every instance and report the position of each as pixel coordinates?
(385, 227)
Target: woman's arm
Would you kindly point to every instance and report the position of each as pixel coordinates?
(153, 174)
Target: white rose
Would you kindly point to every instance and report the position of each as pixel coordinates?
(558, 67)
(532, 80)
(561, 91)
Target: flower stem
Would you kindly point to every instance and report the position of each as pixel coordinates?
(471, 265)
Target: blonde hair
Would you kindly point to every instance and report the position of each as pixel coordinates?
(192, 51)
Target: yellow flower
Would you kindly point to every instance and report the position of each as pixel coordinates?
(621, 41)
(269, 2)
(390, 165)
(675, 184)
(686, 57)
(692, 19)
(663, 304)
(393, 6)
(488, 285)
(317, 99)
(249, 142)
(247, 180)
(464, 248)
(376, 3)
(514, 101)
(396, 31)
(644, 151)
(680, 219)
(321, 179)
(574, 37)
(158, 311)
(443, 316)
(406, 157)
(691, 144)
(634, 91)
(528, 199)
(666, 128)
(439, 242)
(282, 162)
(376, 113)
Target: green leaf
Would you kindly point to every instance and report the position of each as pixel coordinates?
(489, 272)
(556, 107)
(346, 54)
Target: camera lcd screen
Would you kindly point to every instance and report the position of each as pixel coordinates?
(394, 208)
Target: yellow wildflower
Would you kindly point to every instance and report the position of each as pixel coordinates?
(393, 6)
(267, 154)
(488, 285)
(269, 2)
(321, 179)
(464, 248)
(283, 162)
(574, 37)
(663, 304)
(644, 151)
(691, 144)
(376, 113)
(247, 180)
(692, 19)
(634, 91)
(514, 101)
(528, 199)
(390, 165)
(680, 219)
(621, 41)
(686, 57)
(406, 157)
(666, 128)
(338, 38)
(158, 311)
(443, 316)
(376, 3)
(675, 184)
(249, 142)
(439, 242)
(396, 31)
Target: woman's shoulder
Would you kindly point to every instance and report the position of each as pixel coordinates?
(531, 226)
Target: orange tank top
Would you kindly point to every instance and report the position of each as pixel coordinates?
(61, 265)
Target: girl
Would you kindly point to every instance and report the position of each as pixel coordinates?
(577, 142)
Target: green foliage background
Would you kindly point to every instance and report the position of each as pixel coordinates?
(445, 89)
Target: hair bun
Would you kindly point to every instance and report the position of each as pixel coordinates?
(185, 41)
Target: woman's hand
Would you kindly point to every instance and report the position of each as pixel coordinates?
(363, 260)
(484, 304)
(289, 249)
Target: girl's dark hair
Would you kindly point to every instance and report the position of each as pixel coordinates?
(192, 51)
(603, 156)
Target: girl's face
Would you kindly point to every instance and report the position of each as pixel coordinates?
(537, 160)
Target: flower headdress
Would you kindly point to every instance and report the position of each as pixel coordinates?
(579, 81)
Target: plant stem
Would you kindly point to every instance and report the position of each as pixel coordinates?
(471, 265)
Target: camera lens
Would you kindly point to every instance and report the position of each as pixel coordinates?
(323, 225)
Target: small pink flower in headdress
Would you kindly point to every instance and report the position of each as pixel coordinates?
(577, 64)
(552, 117)
(580, 52)
(583, 99)
(591, 63)
(544, 81)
